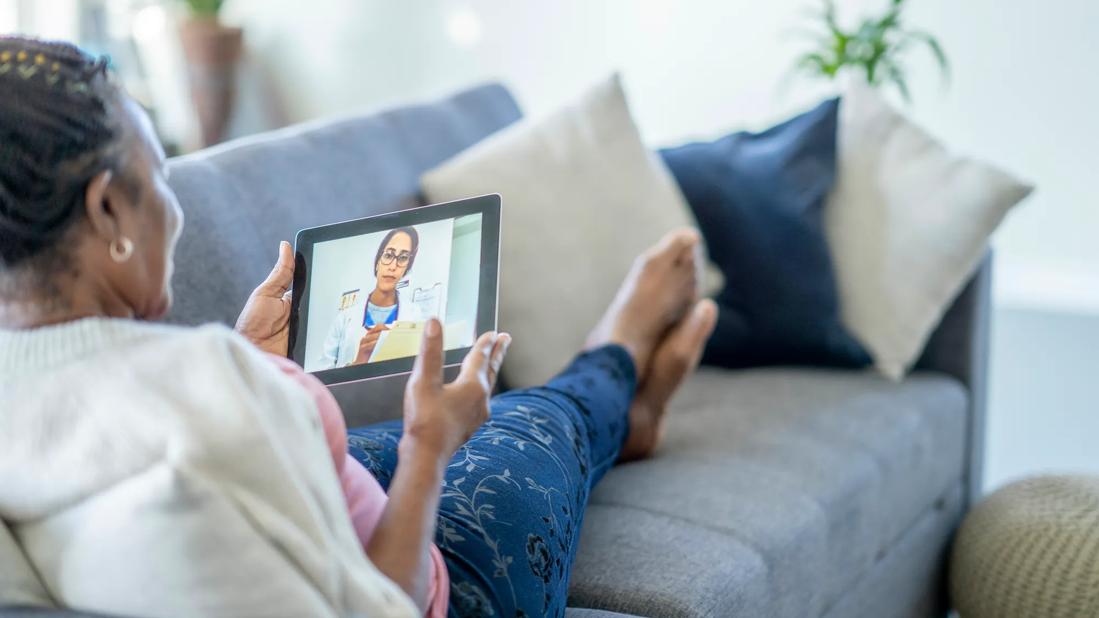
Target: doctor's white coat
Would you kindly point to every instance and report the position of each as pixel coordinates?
(342, 343)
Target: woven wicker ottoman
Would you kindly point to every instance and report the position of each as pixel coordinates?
(1029, 550)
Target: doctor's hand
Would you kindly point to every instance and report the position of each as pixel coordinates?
(368, 343)
(265, 319)
(439, 418)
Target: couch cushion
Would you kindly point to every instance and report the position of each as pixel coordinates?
(19, 583)
(789, 483)
(908, 582)
(759, 199)
(652, 563)
(908, 223)
(572, 183)
(242, 198)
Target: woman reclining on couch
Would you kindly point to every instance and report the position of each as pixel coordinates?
(159, 470)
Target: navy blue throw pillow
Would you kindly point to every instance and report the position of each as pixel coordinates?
(759, 200)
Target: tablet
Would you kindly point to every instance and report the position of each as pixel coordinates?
(364, 289)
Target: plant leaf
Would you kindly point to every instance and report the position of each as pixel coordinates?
(816, 63)
(936, 49)
(812, 60)
(896, 75)
(890, 20)
(830, 19)
(872, 48)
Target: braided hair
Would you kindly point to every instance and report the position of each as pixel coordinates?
(60, 126)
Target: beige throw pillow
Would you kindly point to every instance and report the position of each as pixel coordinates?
(19, 584)
(907, 223)
(582, 196)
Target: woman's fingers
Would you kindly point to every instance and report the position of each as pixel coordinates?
(428, 367)
(282, 275)
(476, 363)
(496, 359)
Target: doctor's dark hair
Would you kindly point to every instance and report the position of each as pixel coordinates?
(60, 126)
(412, 233)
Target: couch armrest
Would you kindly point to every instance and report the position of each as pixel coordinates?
(959, 347)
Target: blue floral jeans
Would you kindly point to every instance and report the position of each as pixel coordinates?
(514, 496)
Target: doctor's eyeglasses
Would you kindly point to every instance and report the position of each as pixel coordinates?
(389, 255)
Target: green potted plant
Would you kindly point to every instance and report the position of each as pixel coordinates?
(873, 50)
(213, 51)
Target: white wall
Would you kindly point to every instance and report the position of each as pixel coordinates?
(1022, 94)
(51, 19)
(9, 18)
(1042, 396)
(463, 293)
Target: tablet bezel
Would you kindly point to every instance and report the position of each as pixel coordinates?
(488, 206)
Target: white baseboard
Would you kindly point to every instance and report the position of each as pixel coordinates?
(1032, 286)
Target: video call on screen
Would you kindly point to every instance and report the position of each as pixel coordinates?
(370, 295)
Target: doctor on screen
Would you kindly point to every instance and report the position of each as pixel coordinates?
(357, 327)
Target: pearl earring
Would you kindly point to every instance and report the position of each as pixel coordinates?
(121, 249)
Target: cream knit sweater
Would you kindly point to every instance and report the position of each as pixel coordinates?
(164, 471)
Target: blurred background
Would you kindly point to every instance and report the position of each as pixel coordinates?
(1020, 94)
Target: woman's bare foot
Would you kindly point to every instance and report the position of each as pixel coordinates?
(675, 358)
(659, 289)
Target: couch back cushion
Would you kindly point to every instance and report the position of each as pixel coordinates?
(242, 198)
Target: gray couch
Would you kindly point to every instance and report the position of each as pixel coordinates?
(779, 491)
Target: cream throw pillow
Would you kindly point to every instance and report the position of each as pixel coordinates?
(19, 584)
(907, 223)
(582, 196)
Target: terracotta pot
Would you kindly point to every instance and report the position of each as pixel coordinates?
(213, 52)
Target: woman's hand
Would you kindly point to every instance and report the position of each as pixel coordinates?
(439, 418)
(368, 343)
(265, 319)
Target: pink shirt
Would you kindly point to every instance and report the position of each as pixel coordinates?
(365, 497)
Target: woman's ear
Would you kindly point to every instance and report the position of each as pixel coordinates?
(102, 215)
(109, 204)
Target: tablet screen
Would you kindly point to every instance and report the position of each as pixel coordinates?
(369, 294)
(391, 282)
